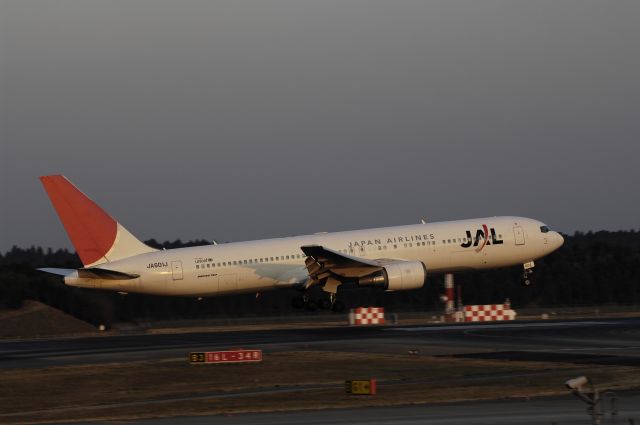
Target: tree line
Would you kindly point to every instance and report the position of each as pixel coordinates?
(594, 268)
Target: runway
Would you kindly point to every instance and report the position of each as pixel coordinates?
(558, 410)
(607, 341)
(589, 342)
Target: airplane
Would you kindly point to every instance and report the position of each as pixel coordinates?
(389, 258)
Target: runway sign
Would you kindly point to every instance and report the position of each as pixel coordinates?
(361, 387)
(233, 356)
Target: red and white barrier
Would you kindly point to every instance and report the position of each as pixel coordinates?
(488, 312)
(366, 316)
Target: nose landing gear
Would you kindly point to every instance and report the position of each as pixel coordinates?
(526, 275)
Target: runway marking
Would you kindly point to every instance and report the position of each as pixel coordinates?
(592, 349)
(500, 326)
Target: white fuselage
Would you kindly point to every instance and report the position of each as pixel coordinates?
(261, 265)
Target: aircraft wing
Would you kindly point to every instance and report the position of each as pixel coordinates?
(323, 262)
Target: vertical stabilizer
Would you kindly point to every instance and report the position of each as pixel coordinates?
(97, 237)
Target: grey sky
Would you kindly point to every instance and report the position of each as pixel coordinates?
(241, 120)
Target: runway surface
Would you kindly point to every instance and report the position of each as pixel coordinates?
(560, 411)
(607, 341)
(597, 341)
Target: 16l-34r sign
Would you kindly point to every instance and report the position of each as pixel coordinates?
(232, 356)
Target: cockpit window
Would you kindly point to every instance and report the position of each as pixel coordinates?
(544, 229)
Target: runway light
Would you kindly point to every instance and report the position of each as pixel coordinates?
(592, 398)
(577, 383)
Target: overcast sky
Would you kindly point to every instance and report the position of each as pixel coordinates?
(241, 120)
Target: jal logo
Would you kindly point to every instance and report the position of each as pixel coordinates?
(488, 237)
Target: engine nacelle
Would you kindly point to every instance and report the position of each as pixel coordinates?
(397, 276)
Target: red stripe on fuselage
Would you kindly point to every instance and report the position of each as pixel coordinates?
(486, 237)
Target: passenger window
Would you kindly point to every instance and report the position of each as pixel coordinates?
(197, 266)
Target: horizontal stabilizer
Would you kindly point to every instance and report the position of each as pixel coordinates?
(91, 273)
(97, 273)
(58, 272)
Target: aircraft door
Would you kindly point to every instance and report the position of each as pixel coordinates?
(176, 270)
(518, 234)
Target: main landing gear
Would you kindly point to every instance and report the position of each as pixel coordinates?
(329, 287)
(309, 304)
(526, 274)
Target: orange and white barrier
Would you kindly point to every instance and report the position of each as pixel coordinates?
(488, 312)
(366, 316)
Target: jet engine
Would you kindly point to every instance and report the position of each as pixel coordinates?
(397, 276)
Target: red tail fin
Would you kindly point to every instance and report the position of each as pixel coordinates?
(97, 237)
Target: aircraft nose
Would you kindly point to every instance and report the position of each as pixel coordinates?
(559, 240)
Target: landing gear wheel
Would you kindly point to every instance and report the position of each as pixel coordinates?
(324, 304)
(297, 303)
(311, 306)
(526, 277)
(338, 307)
